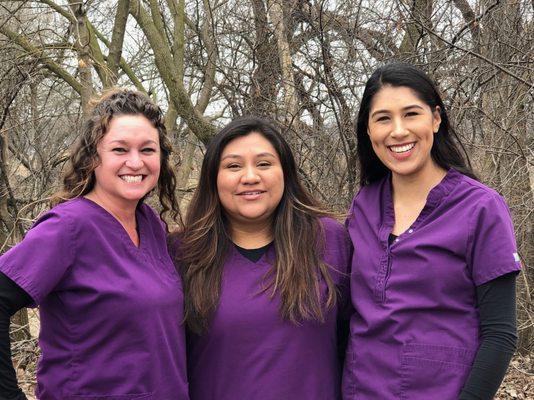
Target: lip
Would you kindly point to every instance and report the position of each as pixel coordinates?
(250, 194)
(123, 176)
(404, 154)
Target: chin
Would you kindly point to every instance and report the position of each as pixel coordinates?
(253, 217)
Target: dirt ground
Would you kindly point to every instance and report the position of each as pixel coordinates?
(519, 382)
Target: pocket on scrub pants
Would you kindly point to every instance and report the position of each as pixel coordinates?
(431, 371)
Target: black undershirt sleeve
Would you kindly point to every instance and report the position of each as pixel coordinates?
(12, 299)
(498, 331)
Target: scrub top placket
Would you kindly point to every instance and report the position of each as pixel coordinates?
(436, 194)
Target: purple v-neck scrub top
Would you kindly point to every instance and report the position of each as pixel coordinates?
(110, 312)
(249, 352)
(415, 331)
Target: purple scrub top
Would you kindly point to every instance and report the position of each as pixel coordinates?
(250, 352)
(415, 331)
(110, 312)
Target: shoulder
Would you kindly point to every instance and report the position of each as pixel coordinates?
(149, 216)
(65, 213)
(337, 243)
(476, 196)
(333, 228)
(369, 196)
(371, 191)
(149, 213)
(476, 188)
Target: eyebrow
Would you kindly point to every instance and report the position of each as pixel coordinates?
(124, 142)
(404, 109)
(264, 154)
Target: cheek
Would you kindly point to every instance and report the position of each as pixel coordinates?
(223, 186)
(374, 139)
(279, 185)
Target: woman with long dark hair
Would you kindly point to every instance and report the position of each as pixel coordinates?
(435, 261)
(265, 277)
(110, 300)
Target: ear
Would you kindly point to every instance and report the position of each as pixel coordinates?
(436, 120)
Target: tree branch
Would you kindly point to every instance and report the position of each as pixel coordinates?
(38, 54)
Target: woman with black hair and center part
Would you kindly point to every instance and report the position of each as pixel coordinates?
(110, 300)
(435, 260)
(265, 275)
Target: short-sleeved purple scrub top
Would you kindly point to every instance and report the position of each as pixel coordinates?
(250, 352)
(110, 312)
(415, 331)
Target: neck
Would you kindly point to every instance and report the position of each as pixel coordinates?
(416, 187)
(251, 235)
(124, 212)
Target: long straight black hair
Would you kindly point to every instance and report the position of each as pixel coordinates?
(298, 238)
(447, 149)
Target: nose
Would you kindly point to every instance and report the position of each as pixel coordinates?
(250, 176)
(399, 128)
(134, 160)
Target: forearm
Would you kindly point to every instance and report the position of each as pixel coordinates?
(498, 338)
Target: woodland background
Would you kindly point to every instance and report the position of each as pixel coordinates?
(303, 63)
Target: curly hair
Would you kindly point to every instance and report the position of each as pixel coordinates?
(79, 178)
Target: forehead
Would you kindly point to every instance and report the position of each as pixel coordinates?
(131, 127)
(252, 143)
(395, 97)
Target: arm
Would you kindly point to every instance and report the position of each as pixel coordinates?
(12, 299)
(496, 304)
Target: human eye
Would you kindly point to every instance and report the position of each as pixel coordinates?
(412, 113)
(264, 164)
(148, 150)
(382, 118)
(233, 166)
(118, 150)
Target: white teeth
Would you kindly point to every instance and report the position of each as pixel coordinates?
(250, 193)
(402, 149)
(132, 178)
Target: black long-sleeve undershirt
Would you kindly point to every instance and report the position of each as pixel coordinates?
(496, 306)
(12, 299)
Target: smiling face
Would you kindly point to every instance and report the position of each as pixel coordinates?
(250, 180)
(401, 129)
(130, 159)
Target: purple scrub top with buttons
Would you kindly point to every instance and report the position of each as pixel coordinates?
(415, 331)
(110, 312)
(250, 352)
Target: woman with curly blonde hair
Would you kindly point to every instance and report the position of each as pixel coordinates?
(109, 298)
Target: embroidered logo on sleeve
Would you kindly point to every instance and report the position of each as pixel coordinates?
(516, 257)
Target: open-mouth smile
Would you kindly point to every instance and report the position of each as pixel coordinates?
(403, 148)
(132, 178)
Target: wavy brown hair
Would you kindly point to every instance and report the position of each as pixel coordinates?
(298, 238)
(79, 178)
